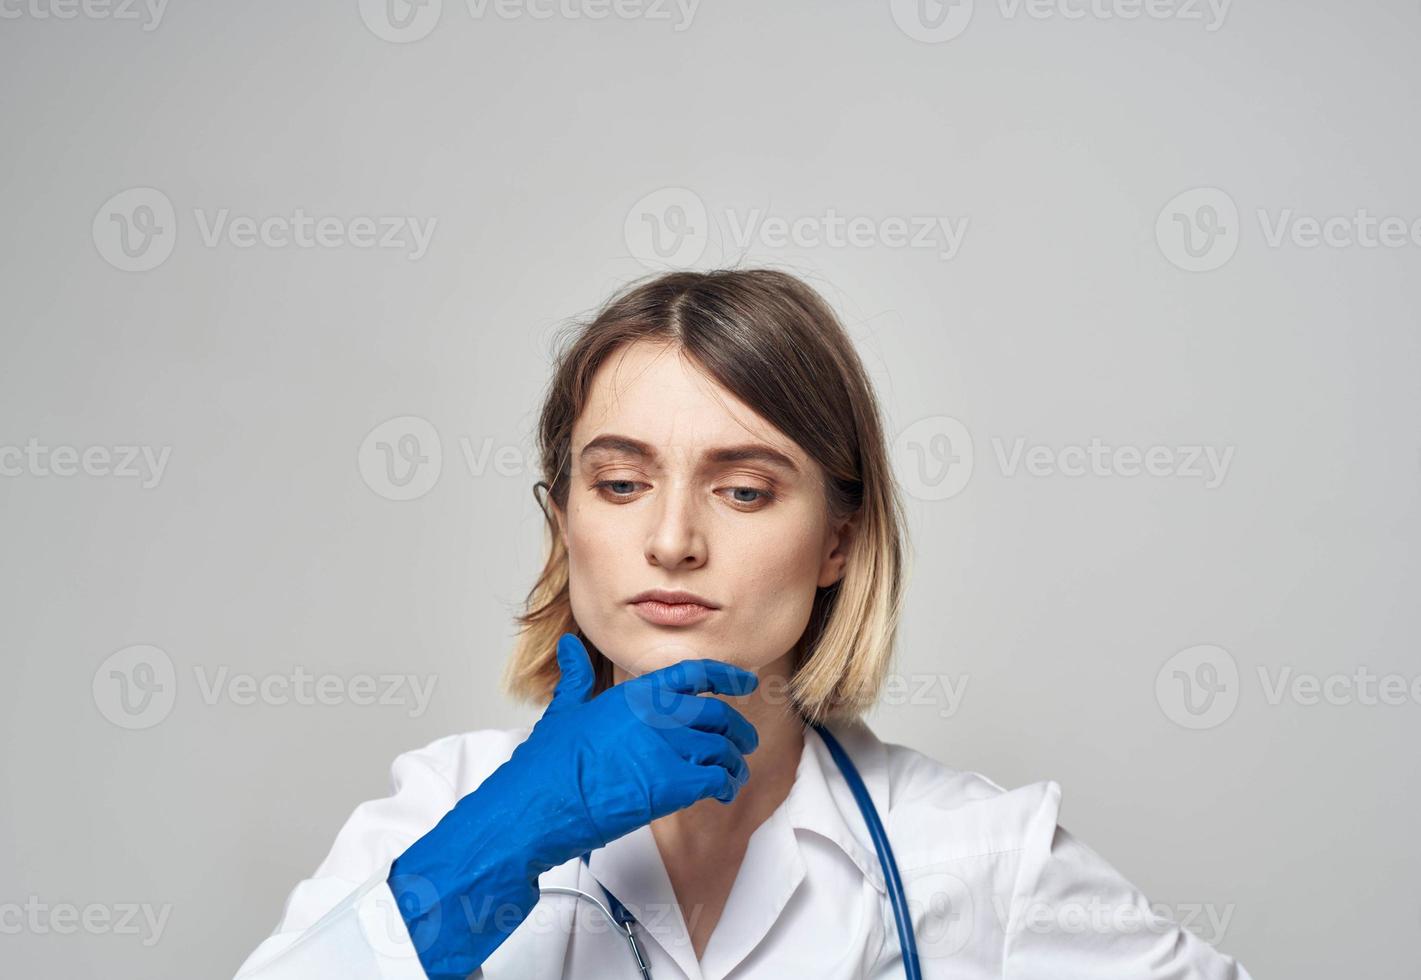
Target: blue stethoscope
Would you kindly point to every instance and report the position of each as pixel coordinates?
(618, 915)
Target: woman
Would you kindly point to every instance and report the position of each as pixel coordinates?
(725, 567)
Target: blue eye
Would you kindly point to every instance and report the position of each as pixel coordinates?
(608, 484)
(762, 497)
(623, 490)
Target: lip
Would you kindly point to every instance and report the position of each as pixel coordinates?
(672, 597)
(671, 613)
(667, 607)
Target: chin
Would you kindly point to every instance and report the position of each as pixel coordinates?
(643, 656)
(657, 654)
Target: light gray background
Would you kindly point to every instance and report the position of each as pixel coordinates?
(1063, 317)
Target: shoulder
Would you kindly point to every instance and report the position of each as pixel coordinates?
(1000, 862)
(942, 813)
(424, 784)
(462, 760)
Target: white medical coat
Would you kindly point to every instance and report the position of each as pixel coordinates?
(996, 887)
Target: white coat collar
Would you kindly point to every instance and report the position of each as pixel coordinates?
(822, 802)
(819, 802)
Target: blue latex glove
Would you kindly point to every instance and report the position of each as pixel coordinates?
(589, 772)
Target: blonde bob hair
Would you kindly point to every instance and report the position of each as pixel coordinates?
(773, 342)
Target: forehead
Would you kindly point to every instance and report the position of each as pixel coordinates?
(656, 394)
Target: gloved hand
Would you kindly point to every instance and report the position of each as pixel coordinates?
(589, 772)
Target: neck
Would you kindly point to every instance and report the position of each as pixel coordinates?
(709, 828)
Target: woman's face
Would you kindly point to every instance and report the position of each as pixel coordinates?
(652, 506)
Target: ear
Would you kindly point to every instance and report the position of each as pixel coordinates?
(560, 519)
(550, 506)
(837, 548)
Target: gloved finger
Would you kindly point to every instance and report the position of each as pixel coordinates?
(723, 719)
(703, 675)
(717, 782)
(575, 677)
(703, 748)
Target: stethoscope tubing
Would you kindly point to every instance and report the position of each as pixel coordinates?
(907, 942)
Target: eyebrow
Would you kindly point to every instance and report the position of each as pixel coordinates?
(747, 452)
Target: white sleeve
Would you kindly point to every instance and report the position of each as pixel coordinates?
(343, 922)
(1074, 917)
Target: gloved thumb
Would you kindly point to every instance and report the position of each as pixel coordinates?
(576, 680)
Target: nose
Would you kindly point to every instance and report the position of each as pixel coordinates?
(676, 538)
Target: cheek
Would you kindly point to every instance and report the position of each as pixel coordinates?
(605, 566)
(774, 585)
(588, 551)
(591, 538)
